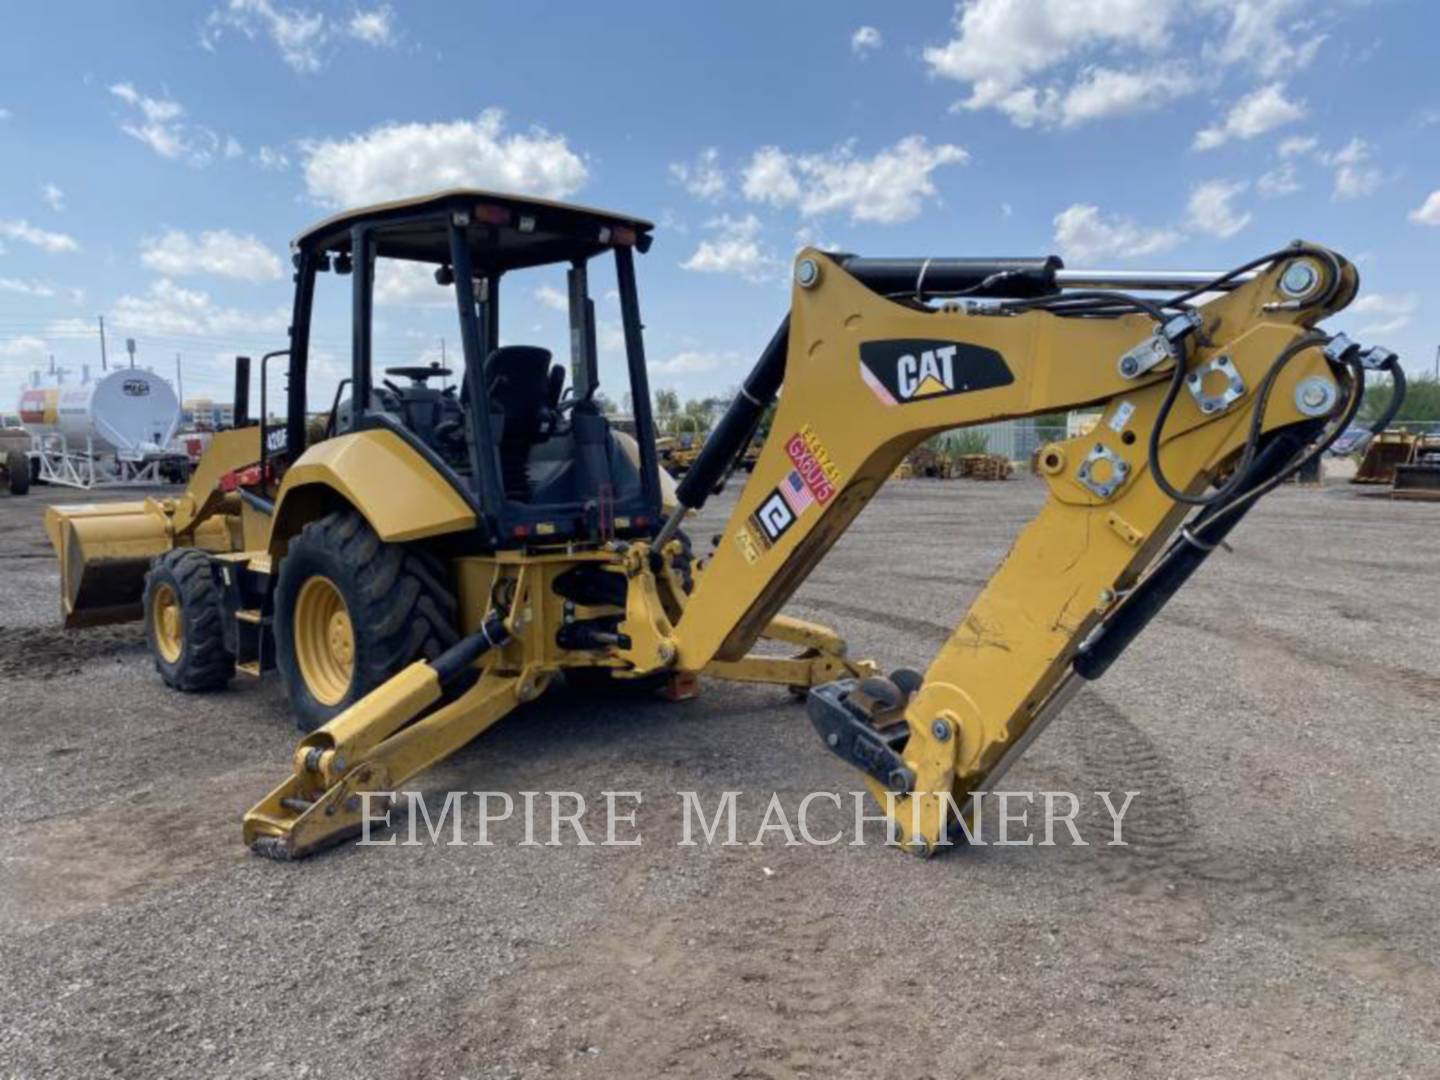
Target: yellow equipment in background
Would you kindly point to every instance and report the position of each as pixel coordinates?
(1382, 454)
(443, 558)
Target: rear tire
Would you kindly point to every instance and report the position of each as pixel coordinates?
(352, 611)
(185, 622)
(18, 466)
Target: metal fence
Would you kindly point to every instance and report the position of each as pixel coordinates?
(1016, 439)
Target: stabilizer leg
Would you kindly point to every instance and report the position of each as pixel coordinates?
(378, 744)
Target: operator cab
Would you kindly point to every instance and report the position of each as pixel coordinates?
(521, 433)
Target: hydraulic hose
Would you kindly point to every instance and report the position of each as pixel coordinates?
(1209, 528)
(1397, 396)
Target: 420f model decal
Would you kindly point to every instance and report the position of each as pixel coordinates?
(903, 370)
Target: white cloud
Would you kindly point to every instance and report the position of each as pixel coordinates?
(887, 188)
(809, 236)
(1211, 208)
(1270, 36)
(271, 160)
(693, 362)
(233, 148)
(669, 222)
(1391, 310)
(300, 35)
(1000, 44)
(866, 39)
(52, 242)
(1279, 181)
(1101, 92)
(396, 160)
(702, 177)
(1429, 211)
(53, 196)
(552, 298)
(161, 125)
(167, 309)
(373, 27)
(1297, 145)
(1355, 174)
(1096, 93)
(1259, 111)
(5, 114)
(1028, 58)
(1083, 233)
(734, 249)
(26, 345)
(26, 287)
(402, 283)
(218, 252)
(770, 177)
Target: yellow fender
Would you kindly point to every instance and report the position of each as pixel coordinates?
(382, 476)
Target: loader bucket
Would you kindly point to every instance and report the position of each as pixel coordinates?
(105, 550)
(1385, 452)
(1420, 480)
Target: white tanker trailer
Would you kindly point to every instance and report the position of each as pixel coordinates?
(113, 430)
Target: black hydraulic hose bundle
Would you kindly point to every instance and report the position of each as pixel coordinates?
(1175, 567)
(1278, 457)
(1397, 396)
(1257, 421)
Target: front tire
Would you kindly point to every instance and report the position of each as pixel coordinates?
(351, 612)
(185, 622)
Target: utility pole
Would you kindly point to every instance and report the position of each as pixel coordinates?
(130, 348)
(103, 365)
(179, 383)
(445, 384)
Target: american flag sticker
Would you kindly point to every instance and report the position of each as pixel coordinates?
(796, 493)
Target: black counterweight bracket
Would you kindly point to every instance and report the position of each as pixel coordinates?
(848, 730)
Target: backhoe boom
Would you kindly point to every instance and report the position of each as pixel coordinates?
(1242, 382)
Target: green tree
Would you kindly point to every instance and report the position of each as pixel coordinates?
(667, 404)
(699, 411)
(1422, 400)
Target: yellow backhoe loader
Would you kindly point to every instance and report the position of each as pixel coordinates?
(444, 555)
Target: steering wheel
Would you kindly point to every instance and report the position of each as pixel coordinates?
(419, 374)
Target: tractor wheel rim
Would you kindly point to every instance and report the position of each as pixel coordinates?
(324, 640)
(167, 623)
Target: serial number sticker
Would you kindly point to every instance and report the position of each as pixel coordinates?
(1123, 412)
(746, 543)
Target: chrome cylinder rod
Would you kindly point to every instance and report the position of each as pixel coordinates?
(1148, 280)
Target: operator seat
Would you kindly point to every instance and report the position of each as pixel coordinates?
(520, 382)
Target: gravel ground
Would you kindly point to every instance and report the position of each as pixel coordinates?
(1274, 914)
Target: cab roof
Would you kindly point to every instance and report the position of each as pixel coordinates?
(507, 231)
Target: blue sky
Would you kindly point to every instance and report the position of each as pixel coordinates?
(155, 158)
